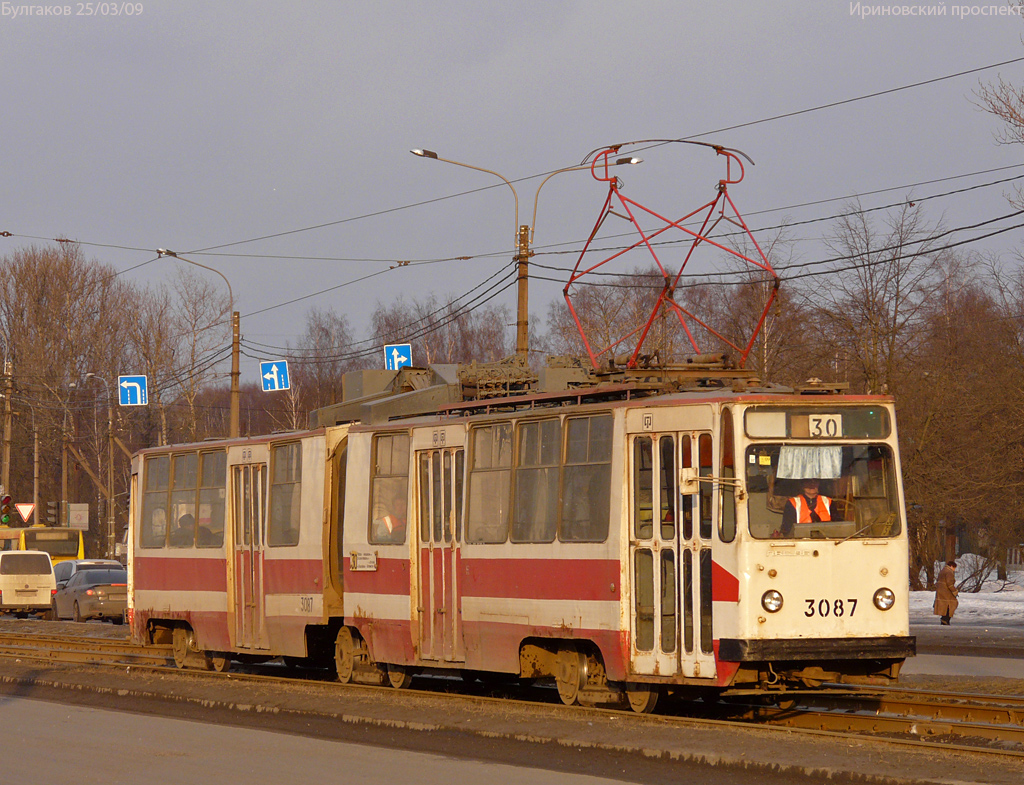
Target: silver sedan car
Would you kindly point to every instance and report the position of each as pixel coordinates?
(93, 594)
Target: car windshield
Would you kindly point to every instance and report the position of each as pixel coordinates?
(817, 492)
(97, 577)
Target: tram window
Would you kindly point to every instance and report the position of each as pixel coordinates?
(727, 500)
(490, 483)
(389, 489)
(212, 484)
(668, 600)
(643, 491)
(704, 445)
(686, 502)
(285, 494)
(535, 509)
(184, 483)
(460, 471)
(668, 481)
(154, 502)
(822, 491)
(436, 516)
(688, 601)
(586, 479)
(705, 569)
(643, 589)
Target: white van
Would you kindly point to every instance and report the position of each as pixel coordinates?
(27, 584)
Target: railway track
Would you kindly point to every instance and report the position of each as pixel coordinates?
(991, 724)
(967, 721)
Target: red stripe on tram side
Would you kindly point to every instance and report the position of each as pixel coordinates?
(155, 573)
(390, 577)
(291, 576)
(725, 587)
(541, 579)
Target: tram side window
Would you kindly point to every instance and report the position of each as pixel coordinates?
(535, 516)
(285, 494)
(184, 485)
(212, 496)
(727, 500)
(704, 449)
(586, 479)
(389, 489)
(154, 502)
(490, 484)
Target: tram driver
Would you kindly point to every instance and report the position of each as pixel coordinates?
(808, 506)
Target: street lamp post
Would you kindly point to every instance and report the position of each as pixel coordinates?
(110, 465)
(523, 238)
(233, 426)
(522, 241)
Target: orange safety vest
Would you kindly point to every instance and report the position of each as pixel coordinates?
(803, 512)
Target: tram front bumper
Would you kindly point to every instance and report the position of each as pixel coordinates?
(798, 649)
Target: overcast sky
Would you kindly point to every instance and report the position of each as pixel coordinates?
(193, 125)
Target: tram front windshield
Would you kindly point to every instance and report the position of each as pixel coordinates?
(821, 492)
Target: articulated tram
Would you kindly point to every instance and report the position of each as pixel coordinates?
(626, 537)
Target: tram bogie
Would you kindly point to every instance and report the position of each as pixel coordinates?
(621, 544)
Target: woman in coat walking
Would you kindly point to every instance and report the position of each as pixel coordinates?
(945, 592)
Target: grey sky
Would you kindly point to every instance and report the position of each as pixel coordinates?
(190, 125)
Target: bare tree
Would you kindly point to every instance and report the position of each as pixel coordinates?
(870, 306)
(445, 332)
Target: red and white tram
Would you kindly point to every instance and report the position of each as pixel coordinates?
(625, 539)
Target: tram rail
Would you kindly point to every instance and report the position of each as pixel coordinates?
(972, 722)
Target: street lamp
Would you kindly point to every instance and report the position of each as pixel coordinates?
(110, 464)
(235, 339)
(523, 238)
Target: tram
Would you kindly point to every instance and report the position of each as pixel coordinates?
(624, 535)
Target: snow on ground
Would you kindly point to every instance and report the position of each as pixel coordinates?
(998, 602)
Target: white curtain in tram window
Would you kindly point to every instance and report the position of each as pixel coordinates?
(799, 462)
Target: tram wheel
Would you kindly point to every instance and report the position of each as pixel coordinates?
(570, 674)
(399, 676)
(642, 698)
(181, 642)
(218, 662)
(345, 655)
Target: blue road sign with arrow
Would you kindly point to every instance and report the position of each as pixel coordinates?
(274, 375)
(397, 355)
(132, 391)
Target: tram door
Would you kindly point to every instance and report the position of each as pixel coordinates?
(654, 544)
(441, 476)
(250, 495)
(670, 543)
(696, 535)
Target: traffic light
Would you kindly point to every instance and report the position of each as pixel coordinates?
(53, 513)
(6, 510)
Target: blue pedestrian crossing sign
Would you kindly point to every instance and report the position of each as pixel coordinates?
(397, 355)
(132, 391)
(274, 375)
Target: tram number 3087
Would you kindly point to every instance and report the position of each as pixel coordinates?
(826, 608)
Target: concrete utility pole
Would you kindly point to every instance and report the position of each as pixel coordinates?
(111, 534)
(5, 471)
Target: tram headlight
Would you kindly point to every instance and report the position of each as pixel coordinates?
(884, 599)
(771, 601)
